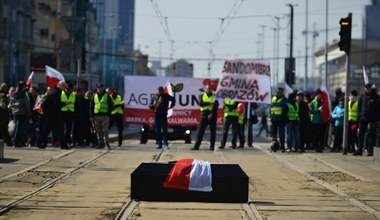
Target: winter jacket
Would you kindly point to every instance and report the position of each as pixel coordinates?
(160, 103)
(338, 115)
(19, 104)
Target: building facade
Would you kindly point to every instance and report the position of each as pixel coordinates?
(16, 39)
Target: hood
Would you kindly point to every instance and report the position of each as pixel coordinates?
(3, 87)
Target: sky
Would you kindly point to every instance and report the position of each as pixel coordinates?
(237, 29)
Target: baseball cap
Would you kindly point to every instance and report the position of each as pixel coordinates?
(99, 85)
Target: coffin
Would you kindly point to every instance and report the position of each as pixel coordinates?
(229, 183)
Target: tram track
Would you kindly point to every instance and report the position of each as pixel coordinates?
(326, 184)
(130, 204)
(48, 184)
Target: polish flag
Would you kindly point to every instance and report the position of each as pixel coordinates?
(190, 174)
(168, 90)
(326, 104)
(53, 76)
(28, 82)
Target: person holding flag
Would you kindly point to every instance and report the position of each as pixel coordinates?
(160, 104)
(52, 109)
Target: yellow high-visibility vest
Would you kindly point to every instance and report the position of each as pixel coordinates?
(228, 112)
(206, 98)
(100, 106)
(353, 111)
(276, 110)
(117, 101)
(71, 99)
(293, 112)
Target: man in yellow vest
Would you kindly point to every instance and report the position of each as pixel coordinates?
(278, 117)
(293, 124)
(231, 116)
(68, 98)
(101, 107)
(353, 118)
(117, 115)
(209, 109)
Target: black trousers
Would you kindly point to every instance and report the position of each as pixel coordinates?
(318, 136)
(118, 119)
(280, 127)
(68, 118)
(202, 128)
(55, 124)
(230, 121)
(338, 137)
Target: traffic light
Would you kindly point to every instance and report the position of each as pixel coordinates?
(345, 34)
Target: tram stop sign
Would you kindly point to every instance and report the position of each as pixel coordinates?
(64, 51)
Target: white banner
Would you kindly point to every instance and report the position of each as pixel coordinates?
(245, 81)
(139, 91)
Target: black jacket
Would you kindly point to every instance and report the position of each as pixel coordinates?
(160, 103)
(52, 103)
(370, 107)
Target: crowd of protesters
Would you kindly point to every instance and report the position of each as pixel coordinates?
(301, 116)
(299, 121)
(61, 116)
(296, 122)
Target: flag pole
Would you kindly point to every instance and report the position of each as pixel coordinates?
(345, 121)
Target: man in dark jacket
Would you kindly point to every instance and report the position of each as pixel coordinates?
(52, 109)
(369, 114)
(160, 105)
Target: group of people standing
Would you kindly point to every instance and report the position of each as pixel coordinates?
(74, 118)
(302, 119)
(235, 116)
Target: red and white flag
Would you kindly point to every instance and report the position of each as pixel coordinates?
(168, 90)
(326, 104)
(28, 82)
(190, 174)
(38, 103)
(365, 76)
(53, 76)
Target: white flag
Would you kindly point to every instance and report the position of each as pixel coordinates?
(288, 90)
(365, 76)
(168, 90)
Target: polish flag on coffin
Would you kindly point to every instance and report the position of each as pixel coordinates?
(326, 104)
(53, 76)
(190, 174)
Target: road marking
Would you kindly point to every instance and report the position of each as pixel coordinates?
(328, 186)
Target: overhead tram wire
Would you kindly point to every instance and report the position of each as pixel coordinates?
(164, 24)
